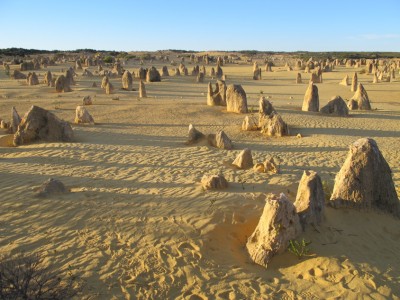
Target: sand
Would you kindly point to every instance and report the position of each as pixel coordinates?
(138, 225)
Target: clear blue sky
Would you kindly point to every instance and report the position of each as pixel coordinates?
(201, 25)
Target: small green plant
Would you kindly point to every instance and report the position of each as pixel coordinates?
(299, 248)
(108, 59)
(242, 182)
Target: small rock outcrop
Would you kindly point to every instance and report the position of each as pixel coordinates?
(127, 80)
(214, 182)
(278, 224)
(310, 199)
(87, 100)
(40, 124)
(360, 99)
(365, 180)
(336, 106)
(275, 126)
(244, 160)
(51, 187)
(15, 120)
(194, 135)
(48, 78)
(236, 99)
(249, 124)
(220, 140)
(142, 89)
(311, 98)
(18, 75)
(62, 84)
(345, 81)
(164, 71)
(216, 97)
(32, 79)
(153, 75)
(298, 78)
(354, 82)
(82, 116)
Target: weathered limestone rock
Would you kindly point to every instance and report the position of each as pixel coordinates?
(212, 72)
(109, 88)
(365, 180)
(279, 223)
(337, 106)
(142, 90)
(354, 82)
(375, 80)
(194, 135)
(298, 78)
(104, 82)
(244, 160)
(153, 75)
(142, 73)
(40, 124)
(345, 81)
(32, 79)
(361, 99)
(78, 65)
(212, 182)
(268, 67)
(257, 74)
(127, 81)
(51, 187)
(15, 120)
(164, 71)
(220, 140)
(18, 75)
(217, 97)
(270, 166)
(219, 72)
(69, 76)
(200, 77)
(265, 107)
(236, 99)
(310, 199)
(48, 78)
(275, 126)
(249, 124)
(87, 100)
(82, 116)
(62, 84)
(311, 99)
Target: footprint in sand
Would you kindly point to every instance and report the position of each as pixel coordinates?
(187, 247)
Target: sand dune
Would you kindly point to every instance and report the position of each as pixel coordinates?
(138, 225)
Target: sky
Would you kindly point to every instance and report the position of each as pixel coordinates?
(150, 25)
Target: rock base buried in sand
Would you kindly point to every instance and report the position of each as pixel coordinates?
(220, 140)
(249, 124)
(244, 160)
(51, 187)
(365, 180)
(213, 182)
(40, 124)
(278, 224)
(82, 116)
(275, 126)
(236, 99)
(310, 199)
(337, 106)
(194, 135)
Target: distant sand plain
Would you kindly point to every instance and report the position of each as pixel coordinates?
(138, 225)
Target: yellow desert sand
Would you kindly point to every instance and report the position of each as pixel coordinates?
(137, 223)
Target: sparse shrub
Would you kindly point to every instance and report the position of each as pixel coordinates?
(299, 248)
(108, 59)
(24, 276)
(363, 71)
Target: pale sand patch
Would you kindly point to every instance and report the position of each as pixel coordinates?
(138, 224)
